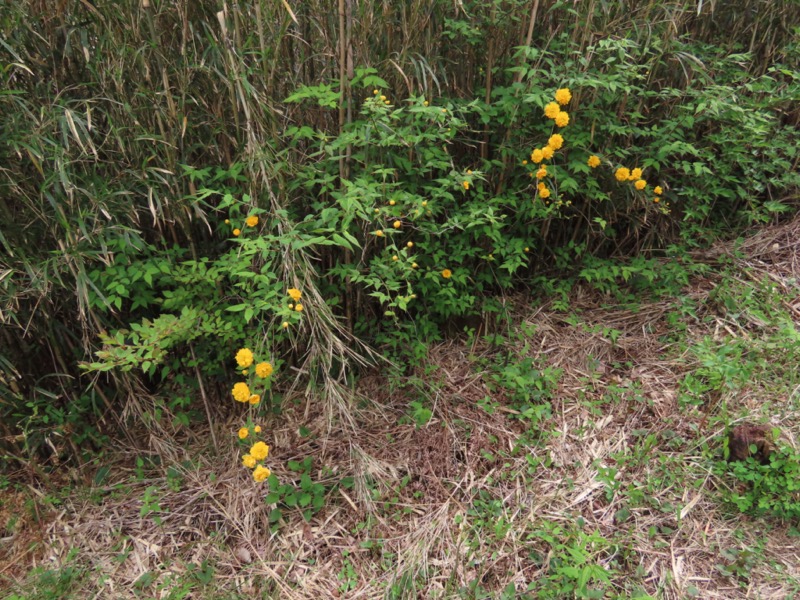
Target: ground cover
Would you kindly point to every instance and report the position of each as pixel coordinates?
(576, 450)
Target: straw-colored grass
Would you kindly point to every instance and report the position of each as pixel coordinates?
(420, 517)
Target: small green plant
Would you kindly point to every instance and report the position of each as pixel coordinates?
(308, 496)
(770, 489)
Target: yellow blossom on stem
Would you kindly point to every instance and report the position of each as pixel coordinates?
(257, 428)
(544, 193)
(640, 184)
(548, 152)
(658, 190)
(379, 233)
(551, 110)
(243, 433)
(263, 370)
(541, 173)
(244, 358)
(593, 161)
(251, 221)
(635, 174)
(259, 451)
(537, 156)
(556, 141)
(563, 96)
(285, 324)
(622, 174)
(299, 308)
(254, 399)
(236, 232)
(397, 224)
(294, 294)
(261, 473)
(248, 461)
(447, 273)
(465, 184)
(562, 119)
(241, 393)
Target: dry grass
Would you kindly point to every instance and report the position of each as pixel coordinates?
(418, 492)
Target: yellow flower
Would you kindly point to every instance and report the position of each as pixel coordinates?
(259, 451)
(227, 222)
(556, 141)
(375, 92)
(248, 461)
(251, 221)
(656, 199)
(245, 372)
(290, 305)
(635, 174)
(547, 152)
(593, 161)
(257, 428)
(383, 97)
(562, 119)
(414, 265)
(261, 473)
(424, 203)
(263, 370)
(527, 249)
(537, 156)
(379, 233)
(524, 162)
(544, 193)
(447, 273)
(236, 232)
(254, 399)
(243, 433)
(469, 172)
(640, 184)
(465, 184)
(299, 308)
(541, 173)
(395, 257)
(622, 174)
(551, 110)
(410, 245)
(658, 190)
(285, 324)
(241, 393)
(444, 110)
(294, 294)
(425, 103)
(392, 202)
(244, 358)
(396, 224)
(563, 96)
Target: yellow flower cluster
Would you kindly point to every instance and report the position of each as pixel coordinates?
(553, 109)
(635, 175)
(250, 221)
(255, 458)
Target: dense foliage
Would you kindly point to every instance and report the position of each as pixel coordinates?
(170, 170)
